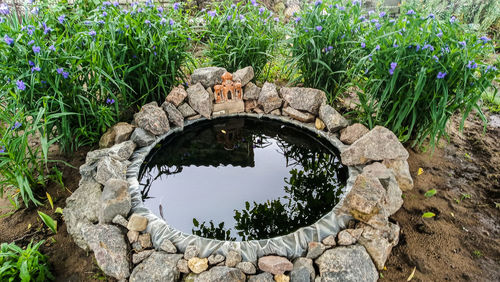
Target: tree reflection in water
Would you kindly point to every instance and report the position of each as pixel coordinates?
(313, 187)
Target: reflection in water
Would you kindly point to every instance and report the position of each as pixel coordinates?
(242, 179)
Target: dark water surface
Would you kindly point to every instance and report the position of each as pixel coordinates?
(242, 179)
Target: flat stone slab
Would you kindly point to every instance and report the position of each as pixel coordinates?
(159, 266)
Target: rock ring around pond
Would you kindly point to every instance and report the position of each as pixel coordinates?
(106, 213)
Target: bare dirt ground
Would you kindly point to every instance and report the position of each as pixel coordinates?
(460, 243)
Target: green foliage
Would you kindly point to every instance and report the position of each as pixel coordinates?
(428, 215)
(322, 45)
(25, 265)
(49, 222)
(430, 193)
(240, 35)
(417, 71)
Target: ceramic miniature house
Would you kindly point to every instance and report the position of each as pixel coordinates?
(228, 90)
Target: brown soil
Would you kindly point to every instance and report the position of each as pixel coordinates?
(460, 243)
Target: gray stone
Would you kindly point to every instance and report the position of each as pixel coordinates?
(142, 138)
(329, 241)
(386, 176)
(115, 200)
(402, 172)
(350, 263)
(276, 112)
(82, 210)
(366, 198)
(377, 145)
(251, 92)
(140, 256)
(194, 117)
(186, 110)
(199, 100)
(173, 114)
(210, 94)
(303, 99)
(168, 246)
(137, 246)
(116, 134)
(110, 249)
(269, 98)
(152, 119)
(303, 270)
(352, 133)
(145, 241)
(215, 259)
(244, 75)
(333, 120)
(275, 264)
(208, 77)
(263, 277)
(247, 267)
(191, 252)
(132, 236)
(198, 265)
(349, 236)
(159, 266)
(108, 168)
(120, 220)
(315, 249)
(176, 96)
(494, 121)
(233, 258)
(119, 152)
(182, 266)
(221, 274)
(379, 242)
(137, 222)
(298, 115)
(250, 105)
(229, 107)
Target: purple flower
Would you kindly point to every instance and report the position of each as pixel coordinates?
(330, 48)
(298, 19)
(431, 15)
(163, 21)
(52, 48)
(31, 42)
(36, 49)
(363, 45)
(4, 9)
(37, 68)
(490, 68)
(116, 4)
(472, 65)
(60, 70)
(318, 2)
(453, 19)
(262, 10)
(176, 6)
(31, 63)
(428, 46)
(435, 58)
(92, 33)
(382, 14)
(65, 74)
(16, 125)
(441, 75)
(20, 85)
(2, 149)
(417, 47)
(484, 39)
(106, 3)
(110, 101)
(410, 12)
(462, 43)
(254, 3)
(8, 40)
(212, 13)
(100, 21)
(242, 17)
(61, 18)
(393, 67)
(395, 45)
(356, 3)
(148, 22)
(171, 22)
(319, 28)
(104, 14)
(378, 26)
(277, 19)
(374, 21)
(440, 34)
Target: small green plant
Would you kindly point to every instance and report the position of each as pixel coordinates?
(240, 35)
(17, 264)
(477, 253)
(430, 193)
(428, 215)
(49, 221)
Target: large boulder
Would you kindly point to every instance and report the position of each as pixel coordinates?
(173, 114)
(159, 266)
(263, 277)
(298, 115)
(116, 134)
(379, 242)
(109, 167)
(186, 110)
(115, 200)
(402, 172)
(303, 270)
(142, 138)
(333, 120)
(366, 199)
(386, 176)
(304, 99)
(199, 100)
(152, 119)
(82, 209)
(221, 274)
(350, 263)
(176, 96)
(352, 133)
(119, 152)
(275, 264)
(377, 145)
(110, 249)
(244, 75)
(269, 98)
(251, 92)
(233, 258)
(208, 77)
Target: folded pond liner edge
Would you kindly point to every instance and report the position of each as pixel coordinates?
(292, 245)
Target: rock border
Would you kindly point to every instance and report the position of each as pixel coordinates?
(106, 214)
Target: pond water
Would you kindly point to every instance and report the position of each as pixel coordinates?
(242, 179)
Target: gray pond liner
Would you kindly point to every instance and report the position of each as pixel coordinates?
(291, 245)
